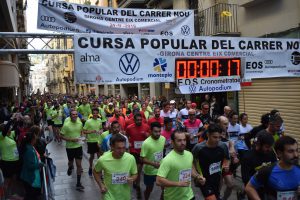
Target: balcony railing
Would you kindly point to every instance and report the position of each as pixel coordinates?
(220, 19)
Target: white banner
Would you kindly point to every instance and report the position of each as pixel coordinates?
(207, 85)
(115, 59)
(68, 17)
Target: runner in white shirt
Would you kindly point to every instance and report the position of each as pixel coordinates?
(165, 112)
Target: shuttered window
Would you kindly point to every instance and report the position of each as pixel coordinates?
(264, 95)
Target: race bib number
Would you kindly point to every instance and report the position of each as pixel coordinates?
(158, 156)
(59, 118)
(287, 195)
(16, 152)
(138, 144)
(214, 168)
(185, 175)
(193, 132)
(119, 178)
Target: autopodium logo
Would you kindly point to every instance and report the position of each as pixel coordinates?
(129, 64)
(185, 30)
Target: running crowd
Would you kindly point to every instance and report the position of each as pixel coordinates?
(171, 144)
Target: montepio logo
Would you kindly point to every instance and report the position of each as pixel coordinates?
(159, 65)
(70, 17)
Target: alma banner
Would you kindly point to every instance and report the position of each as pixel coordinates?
(61, 16)
(215, 63)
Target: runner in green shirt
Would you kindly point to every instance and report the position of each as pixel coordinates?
(84, 109)
(71, 133)
(93, 129)
(176, 171)
(48, 108)
(57, 119)
(119, 168)
(152, 154)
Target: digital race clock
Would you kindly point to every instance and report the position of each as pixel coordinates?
(188, 68)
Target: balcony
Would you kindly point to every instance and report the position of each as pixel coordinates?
(218, 20)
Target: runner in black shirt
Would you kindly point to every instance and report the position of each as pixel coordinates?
(209, 158)
(264, 120)
(261, 155)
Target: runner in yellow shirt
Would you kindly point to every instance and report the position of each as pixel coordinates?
(119, 168)
(152, 154)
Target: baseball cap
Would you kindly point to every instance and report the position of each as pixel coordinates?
(110, 103)
(194, 105)
(172, 101)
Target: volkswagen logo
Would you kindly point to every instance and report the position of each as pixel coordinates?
(185, 30)
(192, 89)
(70, 17)
(47, 18)
(129, 64)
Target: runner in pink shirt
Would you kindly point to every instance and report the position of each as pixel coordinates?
(193, 126)
(166, 132)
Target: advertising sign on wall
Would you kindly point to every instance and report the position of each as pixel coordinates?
(207, 64)
(68, 17)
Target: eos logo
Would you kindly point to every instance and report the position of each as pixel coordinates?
(47, 18)
(129, 64)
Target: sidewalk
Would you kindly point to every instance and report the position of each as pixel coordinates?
(64, 185)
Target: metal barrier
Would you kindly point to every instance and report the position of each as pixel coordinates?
(45, 183)
(48, 192)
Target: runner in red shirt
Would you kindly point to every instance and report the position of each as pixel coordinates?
(137, 133)
(156, 117)
(118, 117)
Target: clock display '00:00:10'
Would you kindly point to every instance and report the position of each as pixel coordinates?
(204, 68)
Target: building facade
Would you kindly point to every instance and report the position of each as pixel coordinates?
(14, 68)
(271, 19)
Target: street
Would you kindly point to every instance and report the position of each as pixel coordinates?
(64, 185)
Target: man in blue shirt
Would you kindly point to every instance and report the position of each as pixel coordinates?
(281, 180)
(114, 129)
